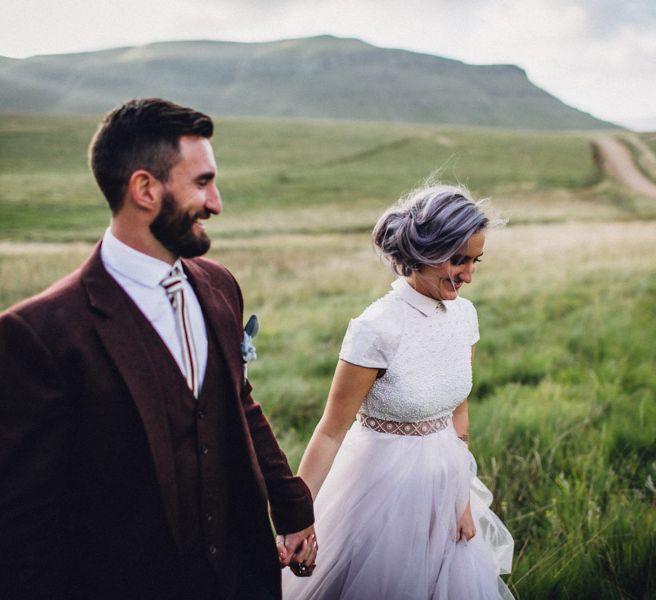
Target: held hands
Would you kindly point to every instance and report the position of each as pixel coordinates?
(465, 529)
(298, 551)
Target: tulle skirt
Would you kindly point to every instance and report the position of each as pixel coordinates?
(386, 519)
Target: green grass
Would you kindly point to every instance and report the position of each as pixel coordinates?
(329, 176)
(566, 422)
(563, 410)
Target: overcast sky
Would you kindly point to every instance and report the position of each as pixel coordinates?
(596, 55)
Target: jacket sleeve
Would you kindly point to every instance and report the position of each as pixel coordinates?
(35, 430)
(289, 497)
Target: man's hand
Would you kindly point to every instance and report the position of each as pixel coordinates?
(298, 551)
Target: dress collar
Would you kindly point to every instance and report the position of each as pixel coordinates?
(137, 266)
(425, 305)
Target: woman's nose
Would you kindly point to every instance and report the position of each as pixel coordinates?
(467, 272)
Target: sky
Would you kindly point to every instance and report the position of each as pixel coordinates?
(596, 55)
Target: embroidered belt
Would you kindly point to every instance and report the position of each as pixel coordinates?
(398, 428)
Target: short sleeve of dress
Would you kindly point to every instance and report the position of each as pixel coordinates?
(371, 339)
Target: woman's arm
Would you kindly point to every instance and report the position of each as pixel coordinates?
(461, 421)
(349, 388)
(465, 527)
(461, 414)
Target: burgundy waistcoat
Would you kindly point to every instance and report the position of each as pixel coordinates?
(198, 433)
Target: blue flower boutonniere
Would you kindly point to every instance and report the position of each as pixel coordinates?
(248, 352)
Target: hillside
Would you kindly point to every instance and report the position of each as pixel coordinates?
(320, 77)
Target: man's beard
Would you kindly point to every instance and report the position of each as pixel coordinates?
(174, 229)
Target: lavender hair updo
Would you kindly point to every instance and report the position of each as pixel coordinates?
(427, 227)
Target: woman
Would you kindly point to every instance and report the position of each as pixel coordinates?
(400, 512)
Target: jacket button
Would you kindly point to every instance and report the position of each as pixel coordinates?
(208, 517)
(212, 549)
(200, 414)
(204, 449)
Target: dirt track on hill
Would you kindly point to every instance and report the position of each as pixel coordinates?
(615, 158)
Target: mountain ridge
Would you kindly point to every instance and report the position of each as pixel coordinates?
(317, 77)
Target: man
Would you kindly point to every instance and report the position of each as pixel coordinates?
(133, 461)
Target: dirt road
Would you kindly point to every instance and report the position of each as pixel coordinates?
(616, 160)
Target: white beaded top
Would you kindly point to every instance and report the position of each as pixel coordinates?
(424, 347)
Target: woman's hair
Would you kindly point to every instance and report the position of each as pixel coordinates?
(427, 226)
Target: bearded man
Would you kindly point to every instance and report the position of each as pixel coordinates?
(134, 462)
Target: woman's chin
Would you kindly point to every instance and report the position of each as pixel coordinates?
(450, 294)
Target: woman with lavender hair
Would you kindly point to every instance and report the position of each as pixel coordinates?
(399, 510)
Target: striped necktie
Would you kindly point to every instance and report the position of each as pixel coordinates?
(172, 283)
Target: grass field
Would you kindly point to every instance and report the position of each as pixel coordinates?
(563, 409)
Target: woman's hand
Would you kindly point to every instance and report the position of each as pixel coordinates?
(465, 529)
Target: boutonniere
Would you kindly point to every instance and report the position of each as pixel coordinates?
(248, 352)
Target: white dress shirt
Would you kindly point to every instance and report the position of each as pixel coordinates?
(140, 276)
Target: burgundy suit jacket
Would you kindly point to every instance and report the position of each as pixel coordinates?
(88, 501)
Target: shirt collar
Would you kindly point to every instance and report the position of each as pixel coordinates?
(425, 305)
(137, 266)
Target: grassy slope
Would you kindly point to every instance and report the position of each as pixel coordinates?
(563, 410)
(331, 176)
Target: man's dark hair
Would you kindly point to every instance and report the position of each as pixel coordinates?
(141, 134)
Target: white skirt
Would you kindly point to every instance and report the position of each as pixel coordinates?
(386, 518)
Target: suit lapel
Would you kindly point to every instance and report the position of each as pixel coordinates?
(219, 316)
(119, 334)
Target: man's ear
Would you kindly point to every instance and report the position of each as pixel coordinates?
(144, 190)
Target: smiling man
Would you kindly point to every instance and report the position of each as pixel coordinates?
(134, 461)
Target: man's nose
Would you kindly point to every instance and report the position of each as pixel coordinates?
(213, 202)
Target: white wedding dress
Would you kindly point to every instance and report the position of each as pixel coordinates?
(386, 513)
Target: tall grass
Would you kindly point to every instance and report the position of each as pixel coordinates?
(563, 410)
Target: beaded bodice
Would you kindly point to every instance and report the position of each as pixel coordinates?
(424, 348)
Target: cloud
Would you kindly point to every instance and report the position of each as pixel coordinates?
(600, 61)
